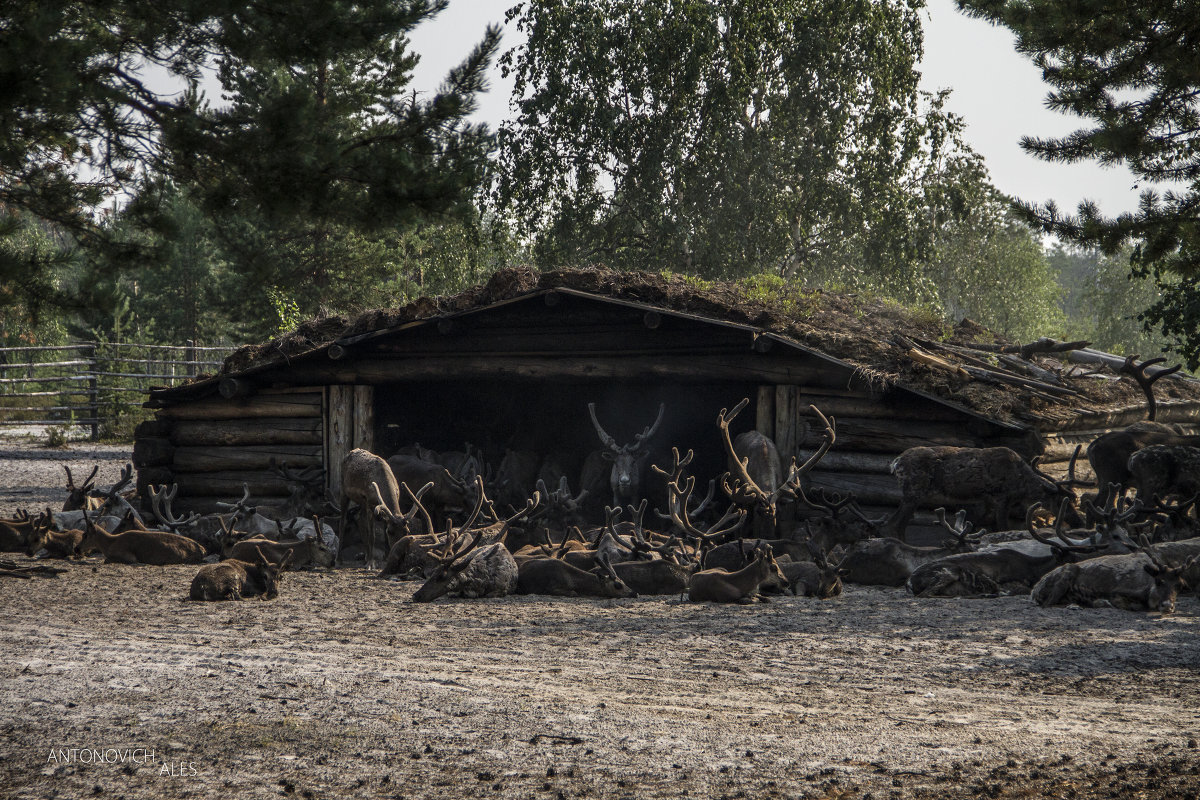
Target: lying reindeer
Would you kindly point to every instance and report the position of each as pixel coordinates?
(743, 586)
(141, 546)
(234, 579)
(1134, 581)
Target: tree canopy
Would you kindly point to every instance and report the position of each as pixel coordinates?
(317, 145)
(1131, 71)
(716, 137)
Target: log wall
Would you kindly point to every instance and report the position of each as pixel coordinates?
(213, 446)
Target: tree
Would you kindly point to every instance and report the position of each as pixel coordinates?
(77, 116)
(718, 137)
(319, 141)
(1103, 302)
(322, 156)
(1131, 70)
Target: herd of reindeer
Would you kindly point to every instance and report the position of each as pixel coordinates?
(467, 530)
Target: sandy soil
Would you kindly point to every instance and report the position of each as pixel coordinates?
(342, 688)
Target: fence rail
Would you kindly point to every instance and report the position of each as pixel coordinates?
(93, 383)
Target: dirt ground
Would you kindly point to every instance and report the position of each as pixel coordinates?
(113, 684)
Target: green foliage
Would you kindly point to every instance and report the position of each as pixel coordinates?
(720, 138)
(1130, 70)
(1104, 303)
(989, 267)
(322, 160)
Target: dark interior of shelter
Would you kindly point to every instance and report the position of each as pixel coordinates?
(549, 416)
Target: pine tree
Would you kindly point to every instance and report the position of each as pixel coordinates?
(1132, 71)
(323, 155)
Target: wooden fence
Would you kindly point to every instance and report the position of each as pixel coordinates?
(92, 383)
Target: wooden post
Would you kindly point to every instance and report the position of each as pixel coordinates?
(765, 420)
(339, 430)
(94, 395)
(189, 355)
(787, 398)
(364, 417)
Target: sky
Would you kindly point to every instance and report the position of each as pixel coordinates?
(998, 93)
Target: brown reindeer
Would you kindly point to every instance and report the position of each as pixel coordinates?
(80, 497)
(141, 546)
(554, 577)
(754, 480)
(234, 579)
(1134, 582)
(742, 586)
(997, 477)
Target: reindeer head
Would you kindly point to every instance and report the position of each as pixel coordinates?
(626, 477)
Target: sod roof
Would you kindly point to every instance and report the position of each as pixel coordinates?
(876, 337)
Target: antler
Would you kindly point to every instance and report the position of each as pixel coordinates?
(646, 433)
(605, 439)
(961, 529)
(240, 505)
(796, 473)
(743, 488)
(1138, 373)
(679, 496)
(160, 504)
(1060, 540)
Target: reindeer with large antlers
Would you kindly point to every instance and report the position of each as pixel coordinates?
(1109, 453)
(81, 497)
(626, 476)
(753, 481)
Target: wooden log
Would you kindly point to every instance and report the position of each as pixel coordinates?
(220, 459)
(152, 451)
(229, 484)
(152, 427)
(364, 418)
(267, 431)
(212, 408)
(795, 369)
(339, 434)
(765, 416)
(888, 407)
(869, 489)
(787, 421)
(890, 436)
(850, 461)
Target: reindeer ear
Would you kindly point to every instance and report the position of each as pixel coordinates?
(608, 455)
(1153, 569)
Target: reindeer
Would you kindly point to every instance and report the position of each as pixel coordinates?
(298, 552)
(79, 497)
(956, 476)
(234, 579)
(56, 544)
(1135, 582)
(889, 562)
(744, 482)
(141, 546)
(554, 577)
(813, 578)
(17, 533)
(448, 494)
(1109, 453)
(367, 480)
(1165, 471)
(626, 476)
(742, 586)
(473, 571)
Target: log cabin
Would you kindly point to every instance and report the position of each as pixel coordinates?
(515, 362)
